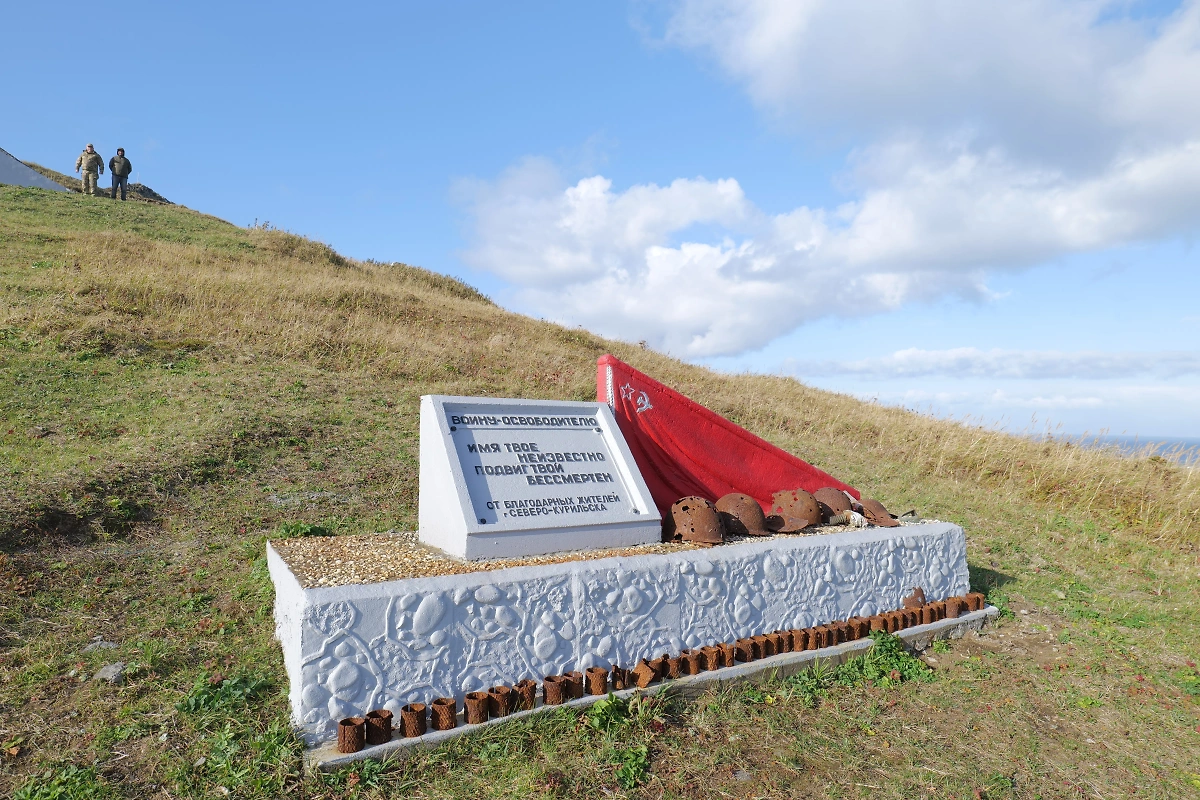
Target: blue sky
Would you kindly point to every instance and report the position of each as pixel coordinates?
(983, 210)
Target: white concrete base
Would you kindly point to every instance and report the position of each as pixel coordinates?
(350, 649)
(918, 639)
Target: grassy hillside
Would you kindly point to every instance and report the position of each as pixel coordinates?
(174, 390)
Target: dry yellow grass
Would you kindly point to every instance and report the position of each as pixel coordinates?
(274, 294)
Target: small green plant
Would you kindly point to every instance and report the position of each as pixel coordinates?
(292, 530)
(887, 663)
(1189, 680)
(633, 765)
(67, 782)
(196, 601)
(941, 646)
(614, 713)
(995, 597)
(217, 692)
(608, 714)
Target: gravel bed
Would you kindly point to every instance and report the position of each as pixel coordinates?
(375, 557)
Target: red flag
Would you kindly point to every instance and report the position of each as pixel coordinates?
(684, 449)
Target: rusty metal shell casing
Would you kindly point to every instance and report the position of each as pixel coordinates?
(728, 654)
(351, 734)
(694, 519)
(412, 720)
(797, 508)
(478, 705)
(741, 514)
(876, 514)
(525, 693)
(675, 667)
(444, 713)
(500, 701)
(574, 683)
(379, 726)
(555, 690)
(597, 680)
(833, 502)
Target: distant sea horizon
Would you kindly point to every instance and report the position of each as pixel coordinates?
(1184, 449)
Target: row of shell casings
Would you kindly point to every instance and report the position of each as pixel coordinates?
(442, 714)
(692, 662)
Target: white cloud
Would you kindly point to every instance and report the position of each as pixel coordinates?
(970, 362)
(998, 136)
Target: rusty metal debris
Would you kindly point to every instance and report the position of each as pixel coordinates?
(644, 674)
(876, 514)
(796, 508)
(833, 502)
(916, 599)
(694, 519)
(412, 720)
(379, 726)
(351, 734)
(741, 514)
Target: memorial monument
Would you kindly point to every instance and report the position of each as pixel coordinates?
(540, 556)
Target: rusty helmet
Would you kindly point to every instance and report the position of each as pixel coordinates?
(742, 514)
(832, 501)
(694, 519)
(797, 508)
(876, 514)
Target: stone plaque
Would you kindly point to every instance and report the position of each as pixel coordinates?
(504, 478)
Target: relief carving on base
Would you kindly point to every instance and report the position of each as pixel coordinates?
(389, 651)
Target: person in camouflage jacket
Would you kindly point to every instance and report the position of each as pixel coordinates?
(120, 168)
(90, 162)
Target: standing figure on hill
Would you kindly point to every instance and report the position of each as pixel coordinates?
(90, 162)
(120, 168)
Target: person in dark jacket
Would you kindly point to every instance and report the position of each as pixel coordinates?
(120, 168)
